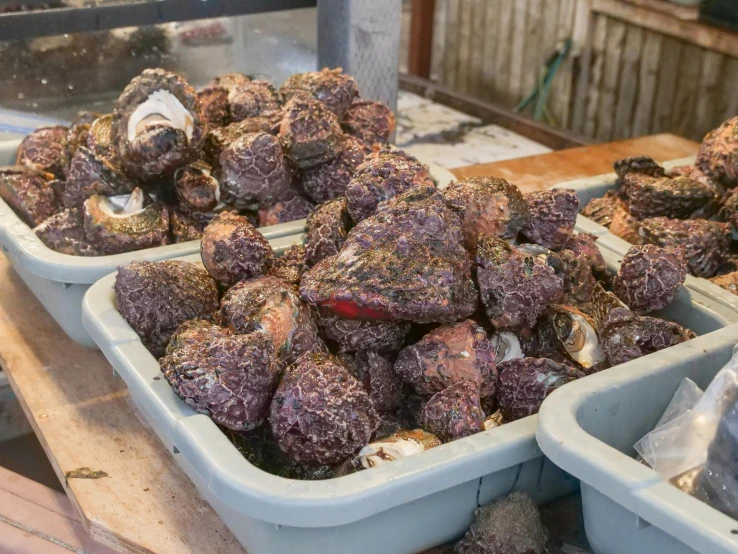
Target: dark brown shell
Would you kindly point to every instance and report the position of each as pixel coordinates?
(320, 413)
(252, 99)
(381, 176)
(294, 206)
(184, 228)
(215, 107)
(161, 149)
(28, 192)
(197, 189)
(271, 305)
(375, 370)
(332, 87)
(487, 205)
(157, 297)
(326, 231)
(109, 235)
(370, 123)
(454, 413)
(233, 250)
(602, 210)
(638, 164)
(552, 215)
(515, 287)
(310, 132)
(45, 149)
(254, 170)
(718, 155)
(64, 233)
(290, 266)
(650, 277)
(626, 226)
(90, 174)
(674, 198)
(352, 334)
(218, 139)
(329, 180)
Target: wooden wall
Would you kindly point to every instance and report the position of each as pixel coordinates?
(622, 80)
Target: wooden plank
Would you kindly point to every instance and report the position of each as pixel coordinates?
(671, 52)
(599, 39)
(477, 46)
(707, 93)
(81, 414)
(685, 94)
(503, 76)
(518, 50)
(685, 13)
(699, 34)
(452, 43)
(628, 83)
(561, 87)
(730, 86)
(464, 49)
(610, 79)
(583, 39)
(421, 37)
(534, 48)
(438, 66)
(543, 171)
(489, 79)
(35, 518)
(647, 81)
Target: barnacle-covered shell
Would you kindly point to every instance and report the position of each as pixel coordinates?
(100, 139)
(90, 174)
(650, 277)
(332, 87)
(254, 170)
(375, 370)
(118, 224)
(232, 249)
(157, 297)
(552, 215)
(353, 334)
(524, 384)
(515, 287)
(320, 413)
(643, 165)
(184, 228)
(454, 413)
(195, 331)
(626, 226)
(215, 107)
(509, 525)
(229, 378)
(329, 180)
(157, 124)
(447, 355)
(290, 266)
(29, 192)
(675, 198)
(370, 122)
(218, 139)
(381, 176)
(398, 445)
(487, 205)
(78, 134)
(729, 209)
(601, 210)
(197, 189)
(641, 335)
(252, 99)
(45, 149)
(64, 233)
(573, 334)
(729, 281)
(705, 242)
(293, 206)
(229, 80)
(271, 305)
(310, 133)
(326, 230)
(718, 155)
(405, 263)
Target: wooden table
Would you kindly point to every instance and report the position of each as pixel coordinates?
(126, 489)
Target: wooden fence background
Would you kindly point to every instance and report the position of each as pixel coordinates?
(628, 75)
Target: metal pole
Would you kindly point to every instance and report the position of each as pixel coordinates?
(362, 37)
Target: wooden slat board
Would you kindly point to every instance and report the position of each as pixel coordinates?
(539, 172)
(83, 416)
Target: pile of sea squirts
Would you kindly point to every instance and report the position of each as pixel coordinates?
(411, 317)
(168, 159)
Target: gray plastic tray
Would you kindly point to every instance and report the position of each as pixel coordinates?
(589, 427)
(596, 187)
(399, 508)
(60, 281)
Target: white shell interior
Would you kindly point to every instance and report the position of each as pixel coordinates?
(371, 454)
(124, 205)
(162, 103)
(591, 353)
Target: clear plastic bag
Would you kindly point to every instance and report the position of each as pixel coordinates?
(695, 444)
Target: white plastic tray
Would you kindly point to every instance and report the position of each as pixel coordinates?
(60, 281)
(398, 508)
(589, 427)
